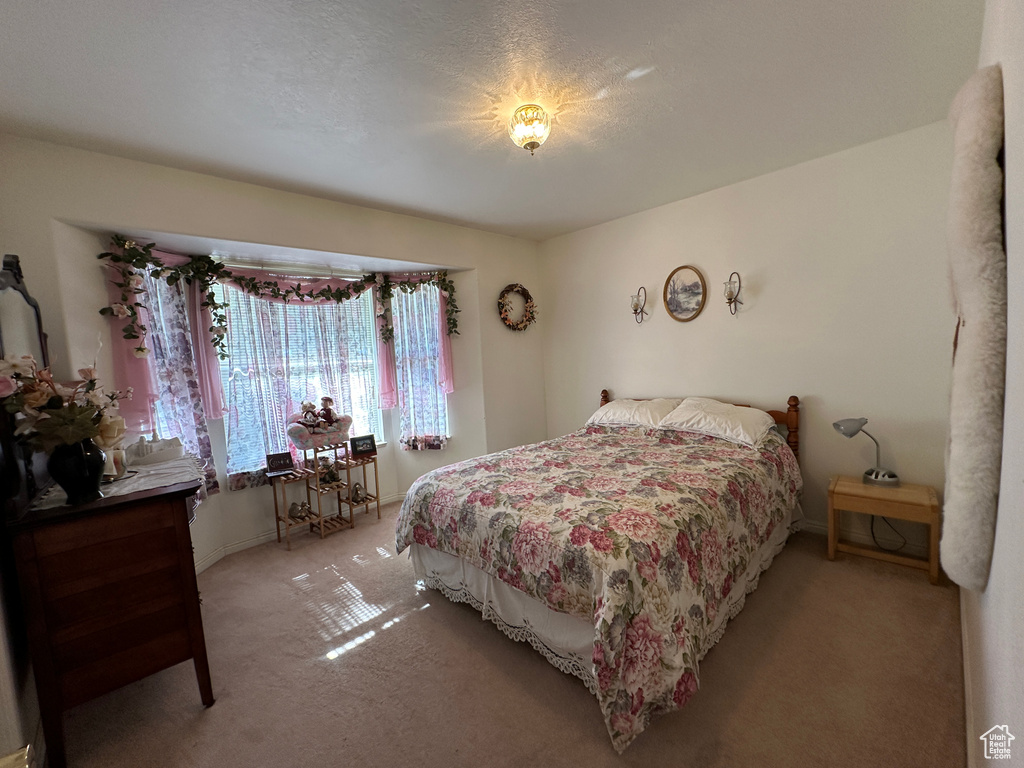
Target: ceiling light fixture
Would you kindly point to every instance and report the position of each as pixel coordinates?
(529, 127)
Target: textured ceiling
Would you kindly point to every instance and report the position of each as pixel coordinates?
(402, 105)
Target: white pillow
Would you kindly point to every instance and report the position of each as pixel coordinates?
(643, 413)
(735, 423)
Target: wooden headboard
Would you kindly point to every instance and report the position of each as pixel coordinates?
(789, 418)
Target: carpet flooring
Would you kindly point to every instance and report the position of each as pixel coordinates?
(330, 655)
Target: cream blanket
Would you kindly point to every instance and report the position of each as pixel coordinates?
(977, 261)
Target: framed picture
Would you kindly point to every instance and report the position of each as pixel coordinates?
(685, 292)
(363, 446)
(279, 464)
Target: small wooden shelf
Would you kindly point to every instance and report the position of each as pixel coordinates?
(319, 520)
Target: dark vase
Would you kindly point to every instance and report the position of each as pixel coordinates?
(78, 469)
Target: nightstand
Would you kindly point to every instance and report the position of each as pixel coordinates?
(916, 503)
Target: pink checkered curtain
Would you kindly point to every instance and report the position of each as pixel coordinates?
(281, 354)
(422, 382)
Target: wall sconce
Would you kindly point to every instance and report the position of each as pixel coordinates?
(876, 475)
(639, 302)
(732, 292)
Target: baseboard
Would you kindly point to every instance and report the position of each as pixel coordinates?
(859, 537)
(253, 541)
(972, 749)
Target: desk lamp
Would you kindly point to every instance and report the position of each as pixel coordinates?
(876, 475)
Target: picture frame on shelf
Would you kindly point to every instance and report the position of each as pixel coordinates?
(279, 464)
(363, 445)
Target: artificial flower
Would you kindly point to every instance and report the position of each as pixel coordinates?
(120, 310)
(141, 351)
(49, 413)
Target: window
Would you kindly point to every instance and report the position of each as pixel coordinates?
(280, 355)
(177, 408)
(421, 398)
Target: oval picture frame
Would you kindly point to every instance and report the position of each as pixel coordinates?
(685, 293)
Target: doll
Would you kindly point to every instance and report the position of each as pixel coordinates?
(327, 412)
(309, 419)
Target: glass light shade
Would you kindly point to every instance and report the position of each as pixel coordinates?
(636, 302)
(730, 290)
(529, 127)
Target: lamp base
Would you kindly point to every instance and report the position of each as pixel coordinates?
(879, 476)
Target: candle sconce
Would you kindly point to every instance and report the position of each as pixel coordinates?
(732, 292)
(639, 301)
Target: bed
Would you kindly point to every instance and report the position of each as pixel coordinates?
(621, 550)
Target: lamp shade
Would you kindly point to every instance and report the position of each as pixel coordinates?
(529, 127)
(849, 427)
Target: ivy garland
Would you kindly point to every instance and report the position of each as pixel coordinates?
(505, 307)
(134, 260)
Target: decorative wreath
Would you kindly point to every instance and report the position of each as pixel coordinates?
(505, 307)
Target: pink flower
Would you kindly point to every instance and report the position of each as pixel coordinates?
(531, 545)
(518, 487)
(557, 594)
(8, 386)
(419, 534)
(711, 551)
(441, 506)
(634, 523)
(641, 653)
(686, 686)
(623, 722)
(600, 542)
(602, 484)
(648, 570)
(87, 373)
(579, 535)
(694, 569)
(120, 310)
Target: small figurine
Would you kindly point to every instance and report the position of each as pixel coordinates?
(310, 418)
(299, 511)
(327, 412)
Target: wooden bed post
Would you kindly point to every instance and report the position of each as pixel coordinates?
(793, 425)
(605, 397)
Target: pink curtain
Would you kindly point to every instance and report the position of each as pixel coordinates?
(133, 371)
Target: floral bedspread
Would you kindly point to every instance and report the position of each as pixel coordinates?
(641, 531)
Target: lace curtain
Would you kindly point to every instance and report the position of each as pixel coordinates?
(280, 355)
(422, 383)
(174, 390)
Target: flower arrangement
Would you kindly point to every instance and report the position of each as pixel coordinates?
(50, 414)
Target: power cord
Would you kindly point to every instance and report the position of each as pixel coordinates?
(887, 549)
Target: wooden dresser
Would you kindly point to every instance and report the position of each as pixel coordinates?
(110, 596)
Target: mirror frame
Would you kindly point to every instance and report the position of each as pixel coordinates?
(11, 276)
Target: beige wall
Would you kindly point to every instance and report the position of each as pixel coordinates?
(845, 297)
(994, 620)
(53, 199)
